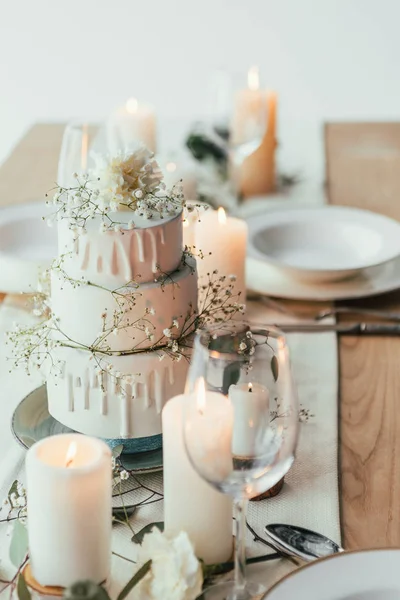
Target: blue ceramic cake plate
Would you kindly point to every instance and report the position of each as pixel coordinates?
(32, 422)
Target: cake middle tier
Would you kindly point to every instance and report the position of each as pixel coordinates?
(114, 258)
(127, 318)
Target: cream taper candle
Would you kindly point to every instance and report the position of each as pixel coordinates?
(191, 504)
(69, 509)
(222, 240)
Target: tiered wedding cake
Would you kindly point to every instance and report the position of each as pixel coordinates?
(123, 299)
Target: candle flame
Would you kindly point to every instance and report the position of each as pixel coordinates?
(132, 106)
(171, 167)
(201, 395)
(253, 79)
(250, 387)
(71, 453)
(84, 147)
(221, 216)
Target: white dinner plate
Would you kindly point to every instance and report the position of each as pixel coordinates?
(268, 280)
(323, 244)
(363, 575)
(27, 246)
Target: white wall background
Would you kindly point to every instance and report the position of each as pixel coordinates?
(328, 60)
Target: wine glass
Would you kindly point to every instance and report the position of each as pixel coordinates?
(238, 114)
(241, 423)
(76, 145)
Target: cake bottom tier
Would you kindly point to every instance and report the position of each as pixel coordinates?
(122, 403)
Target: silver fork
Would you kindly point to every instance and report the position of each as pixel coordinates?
(335, 310)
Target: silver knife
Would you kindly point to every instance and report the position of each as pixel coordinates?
(384, 329)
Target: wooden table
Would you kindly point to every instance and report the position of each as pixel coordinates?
(369, 376)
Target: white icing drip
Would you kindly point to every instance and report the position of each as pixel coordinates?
(70, 392)
(152, 387)
(86, 256)
(125, 400)
(93, 379)
(154, 253)
(86, 399)
(120, 260)
(76, 244)
(146, 395)
(99, 381)
(160, 392)
(99, 264)
(104, 403)
(162, 235)
(140, 244)
(171, 374)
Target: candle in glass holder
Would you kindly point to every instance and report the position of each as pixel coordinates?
(251, 409)
(69, 509)
(191, 504)
(130, 125)
(222, 240)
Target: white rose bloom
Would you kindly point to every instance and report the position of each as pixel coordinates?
(175, 572)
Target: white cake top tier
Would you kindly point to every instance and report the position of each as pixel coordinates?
(114, 258)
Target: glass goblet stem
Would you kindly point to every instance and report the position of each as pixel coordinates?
(239, 592)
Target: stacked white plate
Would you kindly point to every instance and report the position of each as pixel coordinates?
(27, 246)
(324, 253)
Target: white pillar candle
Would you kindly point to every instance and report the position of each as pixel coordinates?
(251, 415)
(222, 240)
(129, 125)
(191, 504)
(69, 509)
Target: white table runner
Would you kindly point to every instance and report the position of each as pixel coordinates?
(310, 495)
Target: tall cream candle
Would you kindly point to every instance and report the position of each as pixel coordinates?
(129, 125)
(191, 504)
(69, 509)
(222, 240)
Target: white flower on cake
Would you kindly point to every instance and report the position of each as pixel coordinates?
(167, 333)
(130, 181)
(175, 572)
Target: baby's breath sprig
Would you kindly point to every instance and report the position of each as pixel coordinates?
(35, 347)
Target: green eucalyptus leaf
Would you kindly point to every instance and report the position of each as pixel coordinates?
(117, 451)
(22, 589)
(13, 489)
(85, 590)
(138, 537)
(231, 376)
(19, 544)
(138, 576)
(275, 367)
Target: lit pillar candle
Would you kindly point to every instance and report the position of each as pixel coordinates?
(69, 509)
(251, 409)
(191, 504)
(129, 125)
(222, 240)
